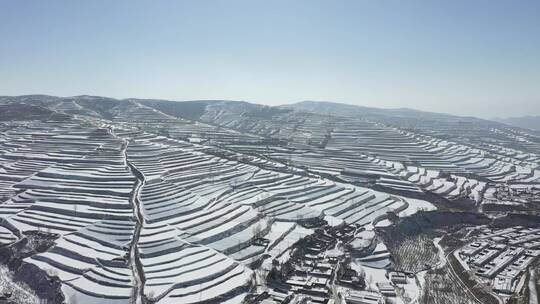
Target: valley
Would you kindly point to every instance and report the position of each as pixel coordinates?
(152, 201)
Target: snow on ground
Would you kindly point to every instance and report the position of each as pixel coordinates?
(333, 221)
(416, 205)
(373, 275)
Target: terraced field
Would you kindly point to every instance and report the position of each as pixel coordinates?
(145, 216)
(151, 202)
(411, 160)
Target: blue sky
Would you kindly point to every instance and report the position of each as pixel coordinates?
(479, 58)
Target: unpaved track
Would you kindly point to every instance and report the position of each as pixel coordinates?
(533, 290)
(134, 257)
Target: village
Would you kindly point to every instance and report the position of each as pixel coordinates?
(323, 268)
(516, 193)
(500, 258)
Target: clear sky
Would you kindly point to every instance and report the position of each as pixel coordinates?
(465, 57)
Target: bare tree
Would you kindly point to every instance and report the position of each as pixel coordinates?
(369, 281)
(257, 230)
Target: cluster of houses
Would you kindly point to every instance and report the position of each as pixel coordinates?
(525, 193)
(320, 270)
(315, 266)
(383, 292)
(501, 257)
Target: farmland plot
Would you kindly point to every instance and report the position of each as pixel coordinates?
(143, 217)
(442, 288)
(414, 253)
(79, 189)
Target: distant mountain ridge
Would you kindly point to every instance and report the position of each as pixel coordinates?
(528, 122)
(222, 111)
(343, 109)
